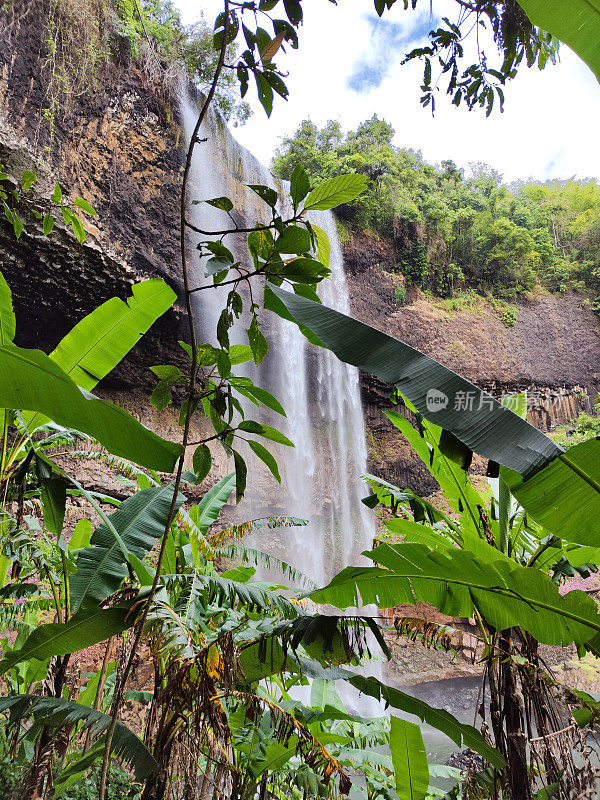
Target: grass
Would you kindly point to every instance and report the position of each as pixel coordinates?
(585, 427)
(460, 303)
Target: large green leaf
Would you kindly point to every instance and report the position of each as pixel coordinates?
(463, 735)
(83, 629)
(206, 512)
(104, 337)
(261, 659)
(139, 522)
(56, 712)
(453, 480)
(409, 759)
(32, 381)
(576, 23)
(562, 497)
(484, 425)
(571, 480)
(335, 191)
(7, 315)
(455, 581)
(7, 328)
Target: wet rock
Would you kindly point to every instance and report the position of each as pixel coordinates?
(467, 760)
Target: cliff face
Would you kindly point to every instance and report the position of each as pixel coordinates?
(116, 143)
(552, 350)
(109, 141)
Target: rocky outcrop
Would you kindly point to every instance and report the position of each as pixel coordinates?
(118, 144)
(112, 143)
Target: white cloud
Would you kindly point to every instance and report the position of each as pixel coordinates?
(549, 128)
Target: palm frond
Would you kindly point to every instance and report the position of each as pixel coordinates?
(250, 555)
(205, 549)
(177, 635)
(236, 532)
(254, 595)
(120, 465)
(371, 733)
(55, 713)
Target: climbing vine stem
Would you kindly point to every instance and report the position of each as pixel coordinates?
(119, 692)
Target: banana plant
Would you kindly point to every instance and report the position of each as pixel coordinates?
(484, 559)
(57, 387)
(560, 490)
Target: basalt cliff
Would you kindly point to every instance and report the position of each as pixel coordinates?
(116, 140)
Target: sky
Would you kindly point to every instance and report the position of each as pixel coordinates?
(348, 68)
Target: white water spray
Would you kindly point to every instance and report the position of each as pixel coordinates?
(322, 473)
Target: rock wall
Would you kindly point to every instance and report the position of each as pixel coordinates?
(114, 144)
(552, 350)
(117, 143)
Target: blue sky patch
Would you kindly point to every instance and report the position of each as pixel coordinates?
(388, 44)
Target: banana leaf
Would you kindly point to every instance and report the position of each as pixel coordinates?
(104, 337)
(33, 382)
(565, 495)
(576, 23)
(455, 582)
(83, 629)
(139, 522)
(55, 712)
(438, 393)
(409, 759)
(7, 315)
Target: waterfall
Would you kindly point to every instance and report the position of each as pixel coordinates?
(321, 475)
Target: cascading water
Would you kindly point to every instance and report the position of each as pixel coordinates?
(321, 474)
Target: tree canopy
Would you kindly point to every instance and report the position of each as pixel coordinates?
(454, 231)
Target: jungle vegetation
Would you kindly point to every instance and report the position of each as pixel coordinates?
(225, 650)
(454, 232)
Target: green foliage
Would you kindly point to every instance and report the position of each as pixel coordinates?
(579, 28)
(17, 205)
(480, 84)
(56, 712)
(120, 786)
(191, 46)
(508, 313)
(134, 529)
(451, 232)
(33, 381)
(409, 759)
(400, 294)
(212, 636)
(82, 630)
(580, 430)
(457, 582)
